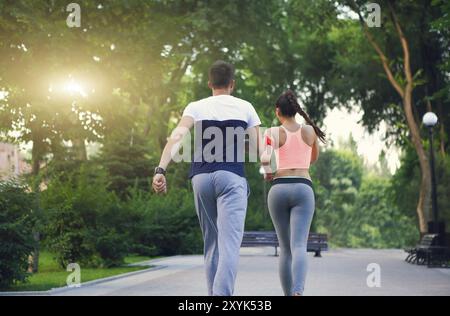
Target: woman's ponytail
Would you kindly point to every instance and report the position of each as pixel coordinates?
(296, 108)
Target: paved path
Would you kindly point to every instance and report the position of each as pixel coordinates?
(339, 272)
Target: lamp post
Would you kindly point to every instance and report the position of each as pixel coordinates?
(430, 120)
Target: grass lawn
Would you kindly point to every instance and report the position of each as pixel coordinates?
(51, 275)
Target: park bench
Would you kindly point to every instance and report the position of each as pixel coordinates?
(261, 239)
(316, 242)
(428, 252)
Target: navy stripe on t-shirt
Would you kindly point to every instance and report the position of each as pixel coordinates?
(219, 145)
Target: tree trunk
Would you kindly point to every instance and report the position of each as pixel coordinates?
(425, 183)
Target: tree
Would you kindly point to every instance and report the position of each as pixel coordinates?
(127, 161)
(403, 80)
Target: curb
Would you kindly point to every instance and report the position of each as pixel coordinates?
(152, 261)
(158, 260)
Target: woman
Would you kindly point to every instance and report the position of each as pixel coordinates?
(291, 198)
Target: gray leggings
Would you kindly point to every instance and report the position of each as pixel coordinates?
(291, 204)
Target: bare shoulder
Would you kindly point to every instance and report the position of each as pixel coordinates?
(308, 129)
(309, 134)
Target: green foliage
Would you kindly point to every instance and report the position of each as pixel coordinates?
(86, 223)
(378, 223)
(338, 174)
(111, 247)
(16, 222)
(443, 182)
(81, 216)
(258, 217)
(406, 181)
(355, 206)
(126, 161)
(168, 224)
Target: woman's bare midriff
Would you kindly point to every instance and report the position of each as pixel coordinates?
(301, 173)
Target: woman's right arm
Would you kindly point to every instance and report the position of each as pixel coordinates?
(269, 143)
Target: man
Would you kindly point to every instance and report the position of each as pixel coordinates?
(217, 172)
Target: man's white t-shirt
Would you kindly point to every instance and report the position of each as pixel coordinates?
(215, 115)
(222, 108)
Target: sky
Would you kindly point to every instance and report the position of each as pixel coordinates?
(340, 123)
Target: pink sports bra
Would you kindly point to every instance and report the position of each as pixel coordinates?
(295, 153)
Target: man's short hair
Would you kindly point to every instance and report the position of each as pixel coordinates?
(221, 74)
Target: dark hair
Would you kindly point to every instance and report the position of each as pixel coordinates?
(221, 74)
(289, 107)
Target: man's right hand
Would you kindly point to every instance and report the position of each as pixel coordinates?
(159, 184)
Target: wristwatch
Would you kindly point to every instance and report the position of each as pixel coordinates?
(159, 170)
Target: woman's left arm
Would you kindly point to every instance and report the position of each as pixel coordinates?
(315, 151)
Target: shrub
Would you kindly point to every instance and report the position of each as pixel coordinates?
(15, 233)
(111, 247)
(83, 220)
(66, 236)
(168, 224)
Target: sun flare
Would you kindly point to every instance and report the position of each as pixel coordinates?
(74, 87)
(3, 95)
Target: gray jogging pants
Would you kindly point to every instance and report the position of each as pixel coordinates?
(221, 204)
